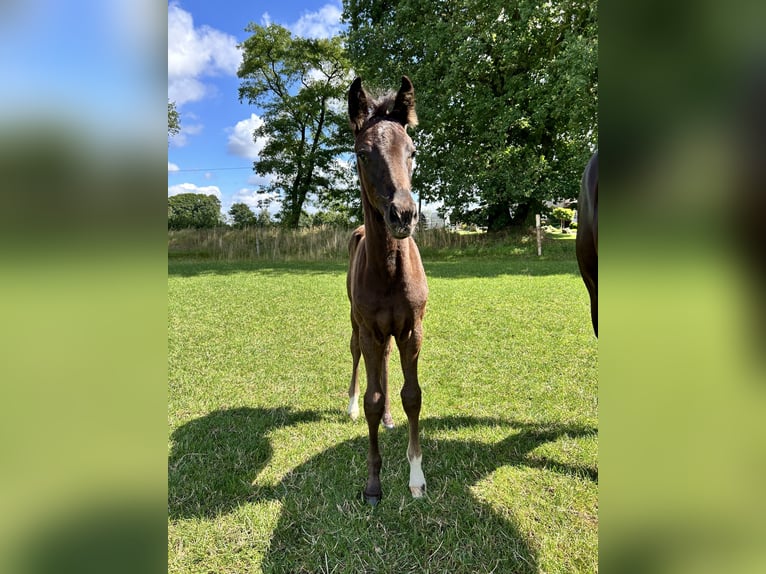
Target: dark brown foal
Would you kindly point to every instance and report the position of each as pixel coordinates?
(386, 281)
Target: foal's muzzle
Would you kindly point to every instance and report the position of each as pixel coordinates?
(402, 219)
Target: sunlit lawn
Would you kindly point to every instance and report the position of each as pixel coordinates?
(265, 469)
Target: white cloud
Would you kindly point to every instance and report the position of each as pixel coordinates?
(256, 179)
(172, 167)
(321, 24)
(194, 53)
(187, 89)
(192, 188)
(241, 142)
(182, 137)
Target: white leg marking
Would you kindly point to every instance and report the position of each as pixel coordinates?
(353, 407)
(417, 480)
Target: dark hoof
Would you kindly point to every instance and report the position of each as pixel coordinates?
(371, 500)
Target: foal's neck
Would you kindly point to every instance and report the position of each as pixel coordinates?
(384, 251)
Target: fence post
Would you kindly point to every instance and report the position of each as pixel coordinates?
(539, 238)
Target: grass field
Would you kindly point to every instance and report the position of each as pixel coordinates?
(265, 469)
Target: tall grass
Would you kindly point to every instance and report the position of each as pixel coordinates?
(260, 244)
(331, 244)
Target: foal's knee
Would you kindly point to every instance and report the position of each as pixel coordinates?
(374, 404)
(411, 399)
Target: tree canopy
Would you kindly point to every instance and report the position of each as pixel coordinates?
(242, 216)
(300, 83)
(507, 96)
(193, 210)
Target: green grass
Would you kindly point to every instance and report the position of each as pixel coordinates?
(265, 469)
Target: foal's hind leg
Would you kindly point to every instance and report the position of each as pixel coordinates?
(409, 350)
(353, 389)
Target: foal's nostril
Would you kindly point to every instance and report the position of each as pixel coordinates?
(402, 218)
(393, 216)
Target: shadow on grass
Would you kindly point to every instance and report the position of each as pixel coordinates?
(458, 268)
(216, 458)
(183, 267)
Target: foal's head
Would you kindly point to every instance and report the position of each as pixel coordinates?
(384, 153)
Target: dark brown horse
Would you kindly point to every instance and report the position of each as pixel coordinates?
(386, 281)
(587, 235)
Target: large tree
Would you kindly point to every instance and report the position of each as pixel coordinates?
(300, 84)
(193, 210)
(507, 95)
(242, 216)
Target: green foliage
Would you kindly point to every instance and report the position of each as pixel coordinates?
(341, 219)
(563, 214)
(300, 83)
(193, 210)
(242, 216)
(507, 96)
(174, 119)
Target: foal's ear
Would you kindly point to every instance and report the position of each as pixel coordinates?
(404, 105)
(357, 105)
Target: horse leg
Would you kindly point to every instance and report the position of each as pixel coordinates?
(409, 351)
(388, 420)
(353, 389)
(374, 407)
(594, 311)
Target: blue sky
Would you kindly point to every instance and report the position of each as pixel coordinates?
(215, 150)
(86, 64)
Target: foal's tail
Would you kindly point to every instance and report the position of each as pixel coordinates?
(353, 243)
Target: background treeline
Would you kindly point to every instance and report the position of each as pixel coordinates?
(507, 97)
(198, 211)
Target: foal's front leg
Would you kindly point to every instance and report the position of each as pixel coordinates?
(374, 352)
(353, 389)
(409, 350)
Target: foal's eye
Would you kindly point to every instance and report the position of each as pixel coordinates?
(362, 155)
(412, 154)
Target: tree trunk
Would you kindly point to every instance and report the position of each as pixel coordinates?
(521, 215)
(498, 216)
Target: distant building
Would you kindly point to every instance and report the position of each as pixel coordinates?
(432, 220)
